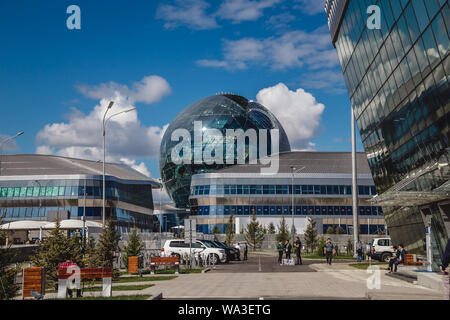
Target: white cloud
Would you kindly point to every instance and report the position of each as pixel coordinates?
(244, 10)
(191, 13)
(298, 112)
(311, 7)
(291, 49)
(196, 14)
(126, 138)
(149, 90)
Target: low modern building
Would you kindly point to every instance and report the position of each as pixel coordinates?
(321, 190)
(170, 217)
(42, 187)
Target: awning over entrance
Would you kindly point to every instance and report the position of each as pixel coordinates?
(409, 198)
(73, 224)
(23, 225)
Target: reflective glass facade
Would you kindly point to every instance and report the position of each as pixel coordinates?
(220, 112)
(398, 82)
(129, 204)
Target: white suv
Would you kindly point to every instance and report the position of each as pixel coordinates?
(180, 249)
(382, 249)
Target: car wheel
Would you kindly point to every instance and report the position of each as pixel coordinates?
(213, 258)
(385, 257)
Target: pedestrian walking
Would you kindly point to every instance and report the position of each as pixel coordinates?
(359, 251)
(238, 251)
(280, 248)
(328, 250)
(298, 248)
(245, 251)
(288, 248)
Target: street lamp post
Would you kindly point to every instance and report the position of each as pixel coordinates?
(293, 171)
(105, 120)
(354, 187)
(1, 146)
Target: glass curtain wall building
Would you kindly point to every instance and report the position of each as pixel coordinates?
(398, 81)
(322, 191)
(37, 187)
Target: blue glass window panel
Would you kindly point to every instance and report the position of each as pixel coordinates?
(324, 210)
(316, 189)
(273, 210)
(317, 210)
(246, 210)
(246, 189)
(361, 210)
(343, 210)
(337, 210)
(206, 191)
(272, 189)
(258, 189)
(259, 210)
(206, 210)
(364, 228)
(201, 190)
(266, 210)
(298, 190)
(252, 189)
(330, 210)
(304, 210)
(323, 189)
(349, 211)
(298, 210)
(226, 189)
(239, 189)
(310, 210)
(287, 210)
(232, 189)
(220, 210)
(348, 190)
(329, 189)
(240, 210)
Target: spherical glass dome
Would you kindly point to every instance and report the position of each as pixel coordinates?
(220, 112)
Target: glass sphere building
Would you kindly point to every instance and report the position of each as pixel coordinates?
(221, 112)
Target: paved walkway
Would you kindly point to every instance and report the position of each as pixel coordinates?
(314, 280)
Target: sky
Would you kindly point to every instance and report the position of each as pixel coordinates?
(159, 57)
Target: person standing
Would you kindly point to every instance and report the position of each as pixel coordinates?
(298, 248)
(280, 248)
(359, 251)
(245, 251)
(288, 248)
(443, 267)
(328, 250)
(238, 248)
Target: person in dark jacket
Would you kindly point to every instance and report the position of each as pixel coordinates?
(446, 259)
(298, 249)
(288, 248)
(280, 248)
(401, 258)
(245, 251)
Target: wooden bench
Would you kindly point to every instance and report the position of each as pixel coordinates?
(65, 276)
(411, 260)
(164, 261)
(33, 283)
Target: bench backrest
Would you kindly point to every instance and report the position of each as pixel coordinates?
(87, 273)
(33, 280)
(165, 260)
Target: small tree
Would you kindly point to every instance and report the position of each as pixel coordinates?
(271, 228)
(229, 232)
(134, 246)
(8, 289)
(90, 255)
(320, 246)
(283, 231)
(349, 246)
(253, 233)
(107, 244)
(216, 229)
(311, 235)
(56, 249)
(330, 230)
(339, 230)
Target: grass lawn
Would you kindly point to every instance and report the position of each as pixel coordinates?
(133, 297)
(170, 270)
(364, 265)
(114, 288)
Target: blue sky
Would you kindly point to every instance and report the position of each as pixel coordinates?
(160, 56)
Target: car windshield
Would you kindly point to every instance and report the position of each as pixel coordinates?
(219, 244)
(207, 244)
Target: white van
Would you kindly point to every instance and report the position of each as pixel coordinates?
(180, 249)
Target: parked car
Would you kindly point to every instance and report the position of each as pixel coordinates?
(381, 249)
(233, 254)
(179, 248)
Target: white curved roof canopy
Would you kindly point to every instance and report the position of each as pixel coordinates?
(23, 225)
(72, 224)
